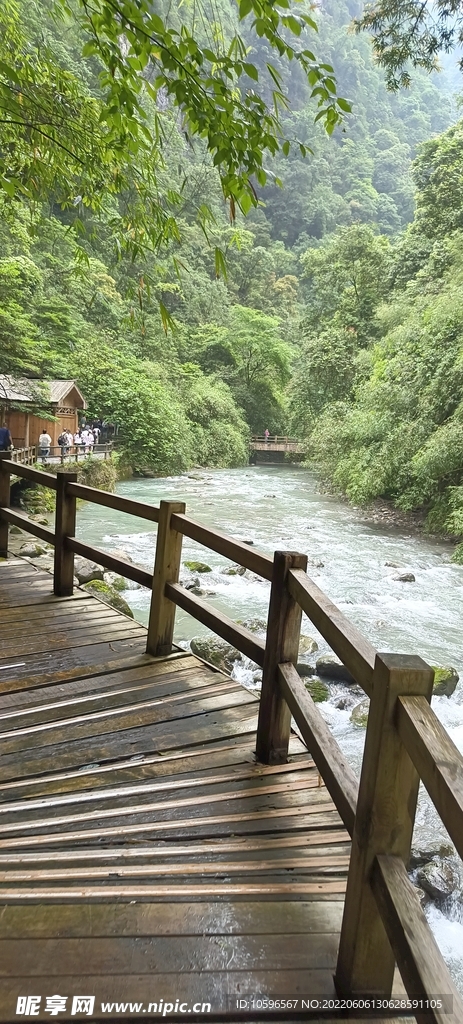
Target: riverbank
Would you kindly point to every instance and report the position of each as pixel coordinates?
(382, 512)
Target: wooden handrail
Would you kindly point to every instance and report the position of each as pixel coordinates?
(133, 508)
(425, 975)
(235, 550)
(231, 631)
(24, 523)
(36, 475)
(437, 761)
(337, 774)
(119, 565)
(346, 641)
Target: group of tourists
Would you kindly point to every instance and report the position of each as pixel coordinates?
(84, 441)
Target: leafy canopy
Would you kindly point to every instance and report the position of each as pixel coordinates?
(104, 152)
(412, 31)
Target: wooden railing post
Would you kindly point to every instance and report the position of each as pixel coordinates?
(4, 502)
(384, 822)
(166, 570)
(65, 526)
(283, 633)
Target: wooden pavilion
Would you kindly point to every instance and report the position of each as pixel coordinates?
(19, 403)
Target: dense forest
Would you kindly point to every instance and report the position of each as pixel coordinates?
(332, 310)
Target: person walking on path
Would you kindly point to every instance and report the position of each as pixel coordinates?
(266, 434)
(77, 443)
(63, 443)
(5, 439)
(87, 440)
(44, 445)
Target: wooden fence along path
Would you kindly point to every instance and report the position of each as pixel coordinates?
(146, 854)
(60, 453)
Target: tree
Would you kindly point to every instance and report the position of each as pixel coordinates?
(412, 31)
(92, 149)
(347, 278)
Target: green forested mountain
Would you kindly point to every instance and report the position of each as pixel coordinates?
(307, 327)
(390, 419)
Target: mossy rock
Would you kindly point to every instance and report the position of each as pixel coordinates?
(197, 566)
(359, 714)
(318, 690)
(445, 681)
(216, 651)
(31, 550)
(102, 590)
(16, 529)
(232, 570)
(116, 581)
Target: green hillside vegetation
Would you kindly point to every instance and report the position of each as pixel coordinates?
(309, 315)
(389, 421)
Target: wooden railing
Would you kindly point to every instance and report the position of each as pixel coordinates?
(27, 456)
(383, 923)
(280, 439)
(58, 453)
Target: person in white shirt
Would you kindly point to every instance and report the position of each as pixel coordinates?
(44, 445)
(87, 440)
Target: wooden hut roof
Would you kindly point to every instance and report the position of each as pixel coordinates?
(22, 390)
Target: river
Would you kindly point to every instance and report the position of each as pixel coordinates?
(284, 508)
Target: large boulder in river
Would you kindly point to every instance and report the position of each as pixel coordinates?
(307, 645)
(330, 667)
(197, 566)
(233, 570)
(404, 577)
(255, 625)
(439, 878)
(102, 590)
(86, 571)
(216, 651)
(445, 681)
(429, 847)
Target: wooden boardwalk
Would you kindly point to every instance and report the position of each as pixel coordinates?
(144, 855)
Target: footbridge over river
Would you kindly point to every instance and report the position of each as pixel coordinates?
(170, 846)
(275, 448)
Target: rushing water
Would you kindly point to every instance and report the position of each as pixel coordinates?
(282, 508)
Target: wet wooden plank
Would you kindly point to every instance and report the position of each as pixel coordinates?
(315, 887)
(86, 678)
(250, 848)
(239, 771)
(206, 918)
(164, 955)
(237, 750)
(108, 722)
(34, 666)
(255, 821)
(21, 628)
(173, 686)
(189, 800)
(162, 736)
(40, 644)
